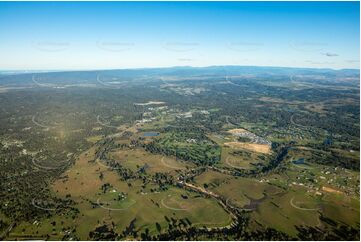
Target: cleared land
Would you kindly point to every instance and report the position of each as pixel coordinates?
(83, 184)
(260, 148)
(236, 131)
(136, 158)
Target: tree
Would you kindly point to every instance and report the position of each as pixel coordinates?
(159, 228)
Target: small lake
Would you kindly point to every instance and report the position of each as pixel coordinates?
(299, 161)
(150, 134)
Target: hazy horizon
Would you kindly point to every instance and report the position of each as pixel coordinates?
(170, 67)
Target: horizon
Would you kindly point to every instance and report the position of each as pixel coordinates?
(85, 36)
(170, 67)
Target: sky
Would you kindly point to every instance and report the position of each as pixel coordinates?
(111, 35)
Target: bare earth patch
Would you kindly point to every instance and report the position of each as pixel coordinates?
(236, 131)
(278, 100)
(150, 103)
(316, 107)
(261, 148)
(94, 139)
(331, 190)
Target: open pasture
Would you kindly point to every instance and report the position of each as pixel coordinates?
(136, 158)
(241, 158)
(239, 192)
(237, 157)
(299, 207)
(287, 210)
(97, 207)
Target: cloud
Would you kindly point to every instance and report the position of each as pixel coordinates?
(329, 54)
(352, 61)
(319, 62)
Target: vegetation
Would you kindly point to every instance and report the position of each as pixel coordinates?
(76, 163)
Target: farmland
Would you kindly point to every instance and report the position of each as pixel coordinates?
(180, 155)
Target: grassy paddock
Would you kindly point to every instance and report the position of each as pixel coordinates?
(82, 183)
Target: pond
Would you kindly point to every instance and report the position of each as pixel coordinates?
(299, 161)
(150, 134)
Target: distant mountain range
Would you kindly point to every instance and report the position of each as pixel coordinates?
(17, 77)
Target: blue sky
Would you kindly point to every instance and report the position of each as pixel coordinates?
(93, 35)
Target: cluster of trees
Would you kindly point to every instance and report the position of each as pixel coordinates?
(183, 229)
(20, 183)
(332, 231)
